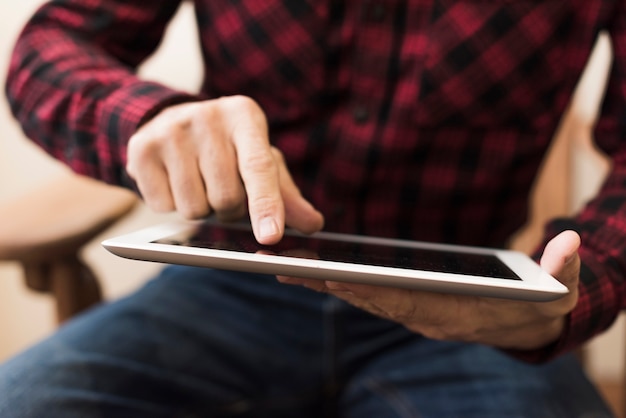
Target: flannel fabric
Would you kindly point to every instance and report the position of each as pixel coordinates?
(420, 119)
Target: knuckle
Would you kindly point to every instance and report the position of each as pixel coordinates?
(260, 163)
(142, 147)
(278, 155)
(159, 205)
(193, 210)
(243, 102)
(181, 127)
(263, 205)
(178, 139)
(226, 200)
(131, 169)
(246, 108)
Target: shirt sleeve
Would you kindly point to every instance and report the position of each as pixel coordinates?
(602, 222)
(72, 82)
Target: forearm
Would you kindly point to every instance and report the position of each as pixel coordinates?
(72, 83)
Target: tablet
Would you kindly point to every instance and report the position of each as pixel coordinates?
(344, 258)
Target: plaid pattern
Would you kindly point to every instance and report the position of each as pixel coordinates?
(406, 118)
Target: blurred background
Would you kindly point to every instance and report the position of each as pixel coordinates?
(26, 317)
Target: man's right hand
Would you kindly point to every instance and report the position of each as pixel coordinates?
(215, 156)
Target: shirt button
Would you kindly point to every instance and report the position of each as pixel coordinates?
(376, 12)
(360, 114)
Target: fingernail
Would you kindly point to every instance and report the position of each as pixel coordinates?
(268, 228)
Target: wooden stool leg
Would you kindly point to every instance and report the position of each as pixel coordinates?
(74, 286)
(36, 276)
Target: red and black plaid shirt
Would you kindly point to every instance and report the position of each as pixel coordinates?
(421, 119)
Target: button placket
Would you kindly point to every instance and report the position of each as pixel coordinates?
(360, 113)
(372, 39)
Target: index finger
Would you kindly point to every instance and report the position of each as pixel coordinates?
(259, 173)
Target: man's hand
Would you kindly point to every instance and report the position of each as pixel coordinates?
(497, 322)
(215, 156)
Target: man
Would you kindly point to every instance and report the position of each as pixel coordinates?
(411, 119)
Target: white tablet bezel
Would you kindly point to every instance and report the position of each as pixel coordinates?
(535, 284)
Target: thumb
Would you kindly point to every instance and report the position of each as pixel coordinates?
(560, 258)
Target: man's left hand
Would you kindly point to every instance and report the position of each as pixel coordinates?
(497, 322)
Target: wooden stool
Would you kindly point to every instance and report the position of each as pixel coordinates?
(45, 229)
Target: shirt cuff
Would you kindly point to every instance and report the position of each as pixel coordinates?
(132, 104)
(595, 310)
(124, 111)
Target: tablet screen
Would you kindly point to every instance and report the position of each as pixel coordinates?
(240, 239)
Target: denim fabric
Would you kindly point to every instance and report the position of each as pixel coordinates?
(205, 343)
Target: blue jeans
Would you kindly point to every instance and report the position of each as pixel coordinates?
(204, 343)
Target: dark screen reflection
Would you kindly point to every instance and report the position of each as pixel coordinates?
(240, 238)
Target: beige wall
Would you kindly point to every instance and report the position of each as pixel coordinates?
(24, 317)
